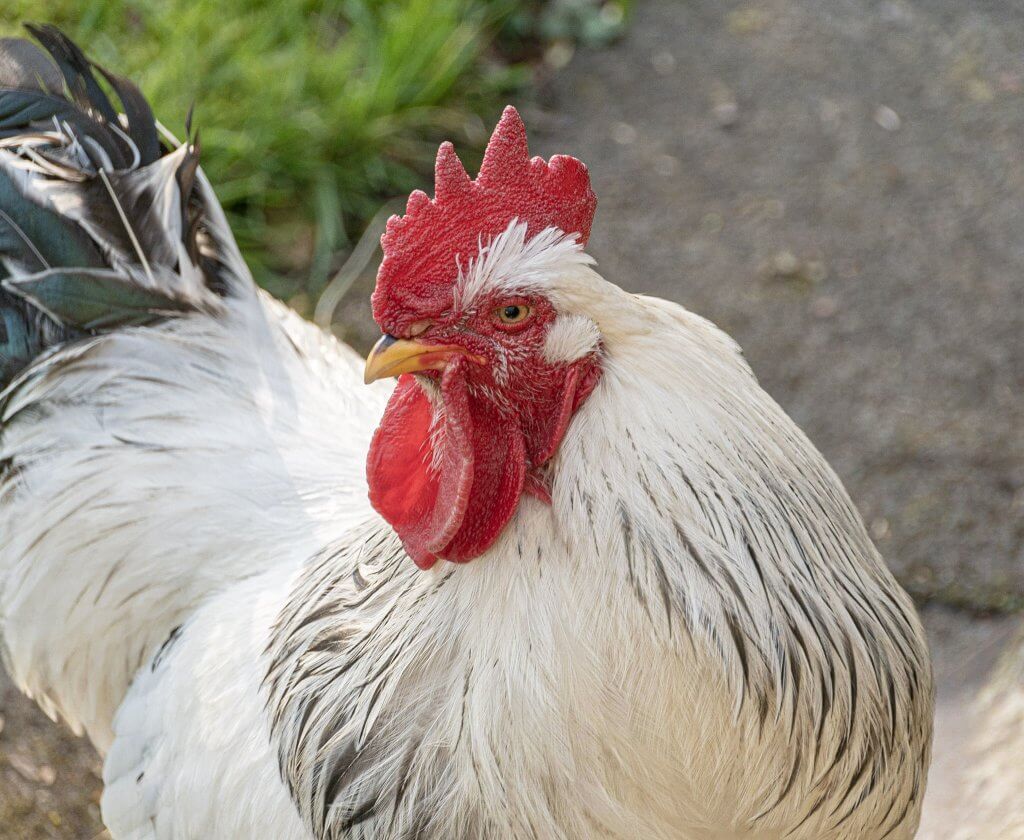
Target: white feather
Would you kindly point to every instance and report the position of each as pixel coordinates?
(192, 758)
(180, 460)
(511, 261)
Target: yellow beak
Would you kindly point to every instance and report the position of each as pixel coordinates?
(392, 356)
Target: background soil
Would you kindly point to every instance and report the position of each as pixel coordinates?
(839, 184)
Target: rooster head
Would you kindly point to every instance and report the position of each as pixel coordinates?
(491, 364)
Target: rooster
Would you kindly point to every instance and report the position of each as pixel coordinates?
(575, 575)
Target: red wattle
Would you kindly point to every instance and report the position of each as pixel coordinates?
(452, 503)
(403, 488)
(499, 470)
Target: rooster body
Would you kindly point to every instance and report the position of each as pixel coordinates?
(680, 629)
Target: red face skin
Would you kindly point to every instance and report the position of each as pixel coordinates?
(449, 489)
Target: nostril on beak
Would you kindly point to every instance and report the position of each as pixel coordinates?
(384, 342)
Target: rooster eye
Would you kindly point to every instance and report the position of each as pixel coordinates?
(514, 313)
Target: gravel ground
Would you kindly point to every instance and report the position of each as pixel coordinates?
(49, 779)
(839, 185)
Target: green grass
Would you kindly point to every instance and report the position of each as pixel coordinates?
(311, 112)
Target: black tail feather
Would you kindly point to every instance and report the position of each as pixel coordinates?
(76, 68)
(141, 123)
(101, 224)
(24, 102)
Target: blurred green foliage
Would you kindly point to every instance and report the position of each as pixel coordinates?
(311, 113)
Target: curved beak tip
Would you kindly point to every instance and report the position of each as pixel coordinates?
(392, 356)
(376, 359)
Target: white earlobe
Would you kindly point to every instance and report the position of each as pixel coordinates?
(571, 337)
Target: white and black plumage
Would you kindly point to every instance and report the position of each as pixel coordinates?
(678, 629)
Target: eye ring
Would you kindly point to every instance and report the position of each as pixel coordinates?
(512, 314)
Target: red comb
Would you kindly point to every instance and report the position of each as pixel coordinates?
(423, 248)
